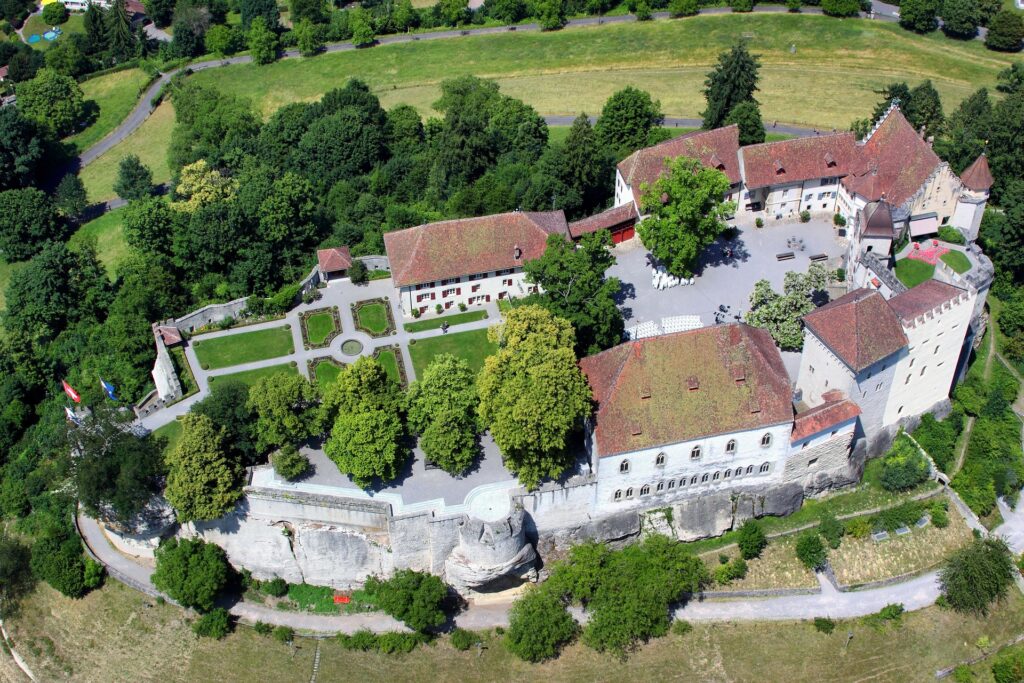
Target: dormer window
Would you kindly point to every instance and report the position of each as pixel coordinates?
(692, 383)
(779, 168)
(517, 253)
(766, 440)
(829, 159)
(624, 467)
(730, 447)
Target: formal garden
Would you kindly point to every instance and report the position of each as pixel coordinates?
(244, 347)
(472, 346)
(320, 326)
(374, 317)
(325, 370)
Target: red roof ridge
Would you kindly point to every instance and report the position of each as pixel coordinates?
(978, 176)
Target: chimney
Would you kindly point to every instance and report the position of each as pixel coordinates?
(931, 140)
(635, 429)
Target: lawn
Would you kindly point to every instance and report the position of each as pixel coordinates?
(111, 247)
(434, 323)
(326, 373)
(250, 377)
(576, 69)
(170, 431)
(319, 326)
(243, 347)
(116, 95)
(372, 317)
(472, 346)
(35, 24)
(388, 360)
(912, 272)
(957, 261)
(149, 142)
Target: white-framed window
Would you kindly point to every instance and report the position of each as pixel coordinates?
(727, 474)
(629, 492)
(750, 469)
(730, 447)
(766, 440)
(693, 479)
(695, 453)
(716, 476)
(671, 484)
(660, 487)
(618, 495)
(765, 467)
(704, 478)
(624, 467)
(645, 489)
(659, 460)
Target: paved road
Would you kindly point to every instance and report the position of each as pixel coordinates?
(145, 107)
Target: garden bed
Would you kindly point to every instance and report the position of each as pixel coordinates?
(373, 317)
(390, 358)
(320, 326)
(324, 369)
(189, 386)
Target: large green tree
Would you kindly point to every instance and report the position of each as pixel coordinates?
(532, 394)
(686, 214)
(15, 572)
(54, 101)
(134, 180)
(70, 197)
(1005, 131)
(22, 148)
(57, 559)
(412, 597)
(977, 575)
(733, 80)
(264, 9)
(1005, 31)
(442, 410)
(587, 165)
(960, 18)
(202, 482)
(781, 314)
(191, 571)
(747, 116)
(262, 41)
(965, 131)
(627, 119)
(28, 219)
(116, 472)
(1011, 79)
(539, 625)
(362, 412)
(160, 11)
(121, 42)
(149, 225)
(286, 407)
(574, 287)
(227, 406)
(924, 109)
(920, 16)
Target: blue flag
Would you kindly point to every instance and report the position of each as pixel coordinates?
(109, 388)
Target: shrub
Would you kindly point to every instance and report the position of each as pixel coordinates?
(1009, 667)
(262, 628)
(463, 639)
(357, 272)
(94, 572)
(1005, 31)
(824, 625)
(283, 634)
(290, 463)
(759, 222)
(940, 518)
(462, 307)
(948, 233)
(397, 643)
(805, 216)
(737, 568)
(977, 575)
(831, 529)
(938, 438)
(742, 5)
(793, 5)
(859, 527)
(904, 466)
(840, 275)
(55, 13)
(840, 8)
(439, 309)
(811, 551)
(905, 514)
(752, 539)
(681, 627)
(682, 8)
(276, 587)
(723, 558)
(539, 626)
(643, 11)
(839, 221)
(416, 313)
(214, 624)
(191, 571)
(57, 559)
(412, 597)
(362, 641)
(891, 612)
(723, 575)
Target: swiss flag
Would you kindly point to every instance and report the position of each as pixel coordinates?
(72, 394)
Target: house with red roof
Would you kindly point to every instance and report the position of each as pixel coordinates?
(703, 412)
(896, 358)
(468, 261)
(333, 263)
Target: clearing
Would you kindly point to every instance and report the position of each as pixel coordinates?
(245, 347)
(116, 95)
(471, 346)
(106, 232)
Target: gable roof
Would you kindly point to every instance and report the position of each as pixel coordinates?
(836, 410)
(895, 162)
(688, 385)
(334, 259)
(716, 148)
(859, 327)
(606, 220)
(799, 159)
(169, 334)
(448, 249)
(923, 298)
(978, 176)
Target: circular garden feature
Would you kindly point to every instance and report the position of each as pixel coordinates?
(351, 347)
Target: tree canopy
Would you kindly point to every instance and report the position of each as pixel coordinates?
(781, 314)
(134, 180)
(920, 16)
(442, 410)
(53, 100)
(191, 571)
(412, 597)
(977, 575)
(627, 119)
(28, 219)
(732, 81)
(285, 408)
(686, 214)
(202, 482)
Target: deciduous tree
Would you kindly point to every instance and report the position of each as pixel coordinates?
(747, 115)
(227, 406)
(69, 197)
(160, 11)
(285, 407)
(732, 81)
(264, 9)
(262, 42)
(687, 213)
(920, 16)
(442, 409)
(412, 597)
(191, 571)
(960, 18)
(202, 482)
(54, 101)
(15, 572)
(22, 147)
(781, 314)
(307, 38)
(539, 626)
(977, 575)
(1005, 32)
(627, 119)
(28, 219)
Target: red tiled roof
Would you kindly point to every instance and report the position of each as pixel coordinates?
(799, 159)
(714, 148)
(134, 7)
(448, 249)
(169, 334)
(894, 163)
(822, 417)
(859, 327)
(3, 72)
(617, 216)
(334, 259)
(925, 297)
(644, 395)
(978, 177)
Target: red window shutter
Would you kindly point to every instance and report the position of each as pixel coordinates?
(458, 291)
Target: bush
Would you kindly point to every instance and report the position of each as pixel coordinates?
(357, 272)
(793, 5)
(905, 514)
(262, 628)
(643, 11)
(839, 221)
(1005, 31)
(397, 643)
(904, 466)
(805, 216)
(824, 625)
(938, 438)
(681, 627)
(57, 559)
(214, 624)
(840, 8)
(752, 539)
(361, 641)
(439, 309)
(811, 551)
(948, 233)
(283, 634)
(276, 587)
(412, 597)
(1009, 667)
(463, 639)
(462, 307)
(290, 463)
(742, 5)
(977, 575)
(759, 222)
(191, 571)
(683, 8)
(840, 275)
(859, 527)
(940, 518)
(831, 529)
(55, 14)
(539, 625)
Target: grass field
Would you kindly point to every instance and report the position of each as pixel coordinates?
(246, 347)
(319, 326)
(434, 323)
(170, 431)
(389, 362)
(116, 634)
(250, 377)
(778, 567)
(116, 94)
(326, 373)
(35, 24)
(111, 247)
(149, 142)
(957, 261)
(372, 317)
(472, 346)
(912, 272)
(576, 69)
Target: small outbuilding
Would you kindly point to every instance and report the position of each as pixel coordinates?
(620, 221)
(334, 262)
